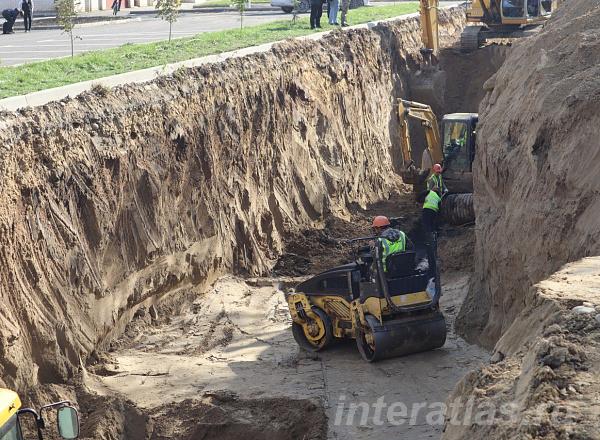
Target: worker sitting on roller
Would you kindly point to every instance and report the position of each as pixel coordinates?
(436, 180)
(392, 241)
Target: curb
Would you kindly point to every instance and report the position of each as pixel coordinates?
(90, 24)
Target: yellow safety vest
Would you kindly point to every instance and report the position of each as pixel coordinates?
(432, 201)
(435, 180)
(392, 247)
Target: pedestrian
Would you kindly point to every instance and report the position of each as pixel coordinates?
(316, 11)
(345, 6)
(27, 8)
(332, 11)
(10, 15)
(116, 6)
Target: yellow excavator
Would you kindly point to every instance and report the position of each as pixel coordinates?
(11, 415)
(502, 19)
(454, 149)
(429, 82)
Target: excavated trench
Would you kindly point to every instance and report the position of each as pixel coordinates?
(149, 234)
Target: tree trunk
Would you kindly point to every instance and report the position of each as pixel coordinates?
(72, 45)
(170, 27)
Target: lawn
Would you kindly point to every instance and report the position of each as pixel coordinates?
(43, 75)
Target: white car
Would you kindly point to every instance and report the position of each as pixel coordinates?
(287, 6)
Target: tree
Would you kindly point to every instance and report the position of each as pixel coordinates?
(240, 5)
(66, 13)
(168, 10)
(295, 11)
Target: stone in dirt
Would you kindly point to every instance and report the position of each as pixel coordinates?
(583, 310)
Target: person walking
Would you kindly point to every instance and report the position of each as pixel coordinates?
(345, 6)
(116, 6)
(316, 12)
(10, 15)
(332, 11)
(27, 8)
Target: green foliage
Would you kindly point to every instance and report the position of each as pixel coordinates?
(66, 13)
(240, 5)
(32, 77)
(168, 10)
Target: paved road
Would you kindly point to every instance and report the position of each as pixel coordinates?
(21, 48)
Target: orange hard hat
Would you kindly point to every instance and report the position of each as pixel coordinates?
(380, 221)
(437, 168)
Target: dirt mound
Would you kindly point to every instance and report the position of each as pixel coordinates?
(545, 381)
(536, 171)
(225, 417)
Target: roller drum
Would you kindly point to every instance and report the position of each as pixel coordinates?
(403, 336)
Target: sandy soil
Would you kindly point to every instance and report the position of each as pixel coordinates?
(236, 338)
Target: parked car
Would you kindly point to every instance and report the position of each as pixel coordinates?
(287, 6)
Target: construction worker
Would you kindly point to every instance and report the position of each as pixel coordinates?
(436, 180)
(431, 209)
(392, 241)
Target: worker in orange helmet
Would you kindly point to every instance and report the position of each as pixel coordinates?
(436, 180)
(392, 241)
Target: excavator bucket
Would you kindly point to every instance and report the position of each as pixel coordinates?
(428, 85)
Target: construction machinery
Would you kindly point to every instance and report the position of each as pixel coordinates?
(429, 82)
(11, 415)
(502, 19)
(390, 308)
(454, 149)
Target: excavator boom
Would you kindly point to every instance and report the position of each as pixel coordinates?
(415, 174)
(429, 25)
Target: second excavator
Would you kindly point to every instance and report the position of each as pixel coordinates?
(454, 149)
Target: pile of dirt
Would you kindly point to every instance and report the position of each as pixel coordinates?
(223, 416)
(544, 381)
(110, 203)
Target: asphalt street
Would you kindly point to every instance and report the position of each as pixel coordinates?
(21, 47)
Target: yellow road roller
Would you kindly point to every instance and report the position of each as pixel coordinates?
(390, 308)
(11, 416)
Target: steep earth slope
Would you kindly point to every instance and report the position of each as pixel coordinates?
(113, 200)
(537, 194)
(538, 207)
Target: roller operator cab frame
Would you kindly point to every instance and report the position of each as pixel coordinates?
(11, 416)
(391, 311)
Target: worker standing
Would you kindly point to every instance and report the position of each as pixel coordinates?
(431, 209)
(345, 6)
(436, 180)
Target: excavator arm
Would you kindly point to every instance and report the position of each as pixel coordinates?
(411, 173)
(429, 26)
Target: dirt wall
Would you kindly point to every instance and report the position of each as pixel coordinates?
(114, 199)
(544, 381)
(536, 171)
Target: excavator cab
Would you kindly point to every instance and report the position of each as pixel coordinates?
(458, 147)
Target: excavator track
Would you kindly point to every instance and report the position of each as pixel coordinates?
(470, 39)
